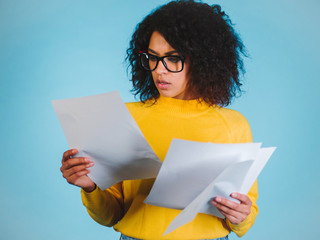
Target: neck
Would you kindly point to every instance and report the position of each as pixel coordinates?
(187, 106)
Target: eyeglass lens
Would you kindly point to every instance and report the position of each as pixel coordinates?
(171, 63)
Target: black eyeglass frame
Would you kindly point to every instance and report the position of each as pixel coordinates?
(182, 58)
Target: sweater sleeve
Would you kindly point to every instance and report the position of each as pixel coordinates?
(243, 227)
(241, 132)
(105, 207)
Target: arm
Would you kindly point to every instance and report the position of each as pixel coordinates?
(105, 207)
(239, 216)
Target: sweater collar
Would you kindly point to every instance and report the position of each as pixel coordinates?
(194, 106)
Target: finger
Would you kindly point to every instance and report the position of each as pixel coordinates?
(76, 169)
(222, 207)
(242, 198)
(74, 177)
(75, 164)
(231, 207)
(227, 203)
(68, 154)
(72, 162)
(231, 218)
(76, 161)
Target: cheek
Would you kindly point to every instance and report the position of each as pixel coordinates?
(153, 75)
(183, 80)
(184, 75)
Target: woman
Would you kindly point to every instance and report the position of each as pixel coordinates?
(185, 61)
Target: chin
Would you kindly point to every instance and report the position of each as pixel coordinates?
(166, 94)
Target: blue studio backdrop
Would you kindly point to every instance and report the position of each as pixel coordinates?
(67, 48)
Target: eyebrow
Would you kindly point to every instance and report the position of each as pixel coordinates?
(167, 53)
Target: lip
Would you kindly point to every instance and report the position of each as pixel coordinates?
(163, 85)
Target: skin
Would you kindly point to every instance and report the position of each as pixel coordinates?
(176, 83)
(75, 169)
(234, 212)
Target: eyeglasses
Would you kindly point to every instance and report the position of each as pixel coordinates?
(173, 63)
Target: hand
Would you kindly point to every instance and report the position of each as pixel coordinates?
(234, 212)
(75, 171)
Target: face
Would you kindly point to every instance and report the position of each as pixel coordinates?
(169, 84)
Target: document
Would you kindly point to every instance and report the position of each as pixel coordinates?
(102, 128)
(193, 173)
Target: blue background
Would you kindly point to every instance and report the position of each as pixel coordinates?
(62, 49)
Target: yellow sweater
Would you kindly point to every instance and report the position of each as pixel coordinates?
(122, 205)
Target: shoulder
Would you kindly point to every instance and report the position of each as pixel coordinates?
(237, 124)
(139, 109)
(134, 105)
(231, 116)
(138, 106)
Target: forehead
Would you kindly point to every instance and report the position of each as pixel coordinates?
(159, 44)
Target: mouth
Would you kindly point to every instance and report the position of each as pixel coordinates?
(162, 84)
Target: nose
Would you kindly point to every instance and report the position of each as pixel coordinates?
(161, 69)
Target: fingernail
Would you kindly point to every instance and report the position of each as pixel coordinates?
(218, 199)
(234, 195)
(90, 164)
(214, 202)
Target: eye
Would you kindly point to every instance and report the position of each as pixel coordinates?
(173, 59)
(152, 58)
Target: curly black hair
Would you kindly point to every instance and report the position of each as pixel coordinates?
(202, 32)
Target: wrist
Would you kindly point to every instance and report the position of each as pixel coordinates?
(90, 189)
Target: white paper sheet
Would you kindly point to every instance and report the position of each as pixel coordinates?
(193, 173)
(102, 128)
(202, 203)
(189, 167)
